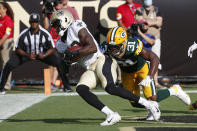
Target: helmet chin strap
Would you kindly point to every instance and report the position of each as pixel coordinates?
(61, 33)
(121, 52)
(62, 30)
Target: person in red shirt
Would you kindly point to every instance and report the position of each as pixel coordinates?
(125, 14)
(6, 36)
(70, 9)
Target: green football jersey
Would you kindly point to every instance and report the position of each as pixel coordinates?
(131, 60)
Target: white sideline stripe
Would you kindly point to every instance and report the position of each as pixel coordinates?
(11, 104)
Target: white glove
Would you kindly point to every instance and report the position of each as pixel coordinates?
(191, 49)
(146, 81)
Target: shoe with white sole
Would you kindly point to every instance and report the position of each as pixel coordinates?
(150, 116)
(2, 92)
(154, 109)
(111, 119)
(181, 94)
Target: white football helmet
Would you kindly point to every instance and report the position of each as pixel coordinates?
(61, 20)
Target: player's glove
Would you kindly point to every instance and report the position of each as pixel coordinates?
(191, 49)
(146, 81)
(71, 55)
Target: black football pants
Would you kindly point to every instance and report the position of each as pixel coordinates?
(17, 60)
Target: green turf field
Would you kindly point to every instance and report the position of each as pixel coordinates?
(71, 113)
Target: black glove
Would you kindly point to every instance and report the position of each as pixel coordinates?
(71, 55)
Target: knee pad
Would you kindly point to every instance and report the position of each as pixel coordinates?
(9, 66)
(82, 88)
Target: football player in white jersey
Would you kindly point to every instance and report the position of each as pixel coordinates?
(100, 68)
(191, 49)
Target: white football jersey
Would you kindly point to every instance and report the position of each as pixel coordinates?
(72, 35)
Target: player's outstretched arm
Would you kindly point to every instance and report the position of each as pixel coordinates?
(191, 49)
(154, 62)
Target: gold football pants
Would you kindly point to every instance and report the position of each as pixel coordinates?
(130, 81)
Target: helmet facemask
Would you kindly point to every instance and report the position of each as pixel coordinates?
(61, 21)
(117, 50)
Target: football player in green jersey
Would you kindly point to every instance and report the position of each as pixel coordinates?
(132, 59)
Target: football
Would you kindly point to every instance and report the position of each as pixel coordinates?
(74, 48)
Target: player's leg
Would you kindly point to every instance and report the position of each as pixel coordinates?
(176, 90)
(55, 60)
(88, 81)
(162, 94)
(107, 72)
(14, 62)
(129, 83)
(149, 92)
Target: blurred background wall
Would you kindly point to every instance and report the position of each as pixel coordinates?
(178, 32)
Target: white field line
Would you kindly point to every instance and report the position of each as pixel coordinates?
(10, 104)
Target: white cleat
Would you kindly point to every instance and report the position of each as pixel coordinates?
(111, 119)
(2, 92)
(181, 94)
(150, 116)
(154, 109)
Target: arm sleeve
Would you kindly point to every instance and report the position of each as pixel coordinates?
(150, 36)
(20, 42)
(9, 27)
(78, 25)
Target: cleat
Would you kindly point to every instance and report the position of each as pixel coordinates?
(111, 119)
(181, 94)
(193, 106)
(150, 116)
(2, 92)
(68, 90)
(154, 109)
(53, 88)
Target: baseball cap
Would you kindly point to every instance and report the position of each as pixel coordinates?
(34, 17)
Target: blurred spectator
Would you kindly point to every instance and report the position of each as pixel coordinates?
(42, 49)
(125, 14)
(46, 21)
(147, 39)
(152, 15)
(6, 36)
(70, 9)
